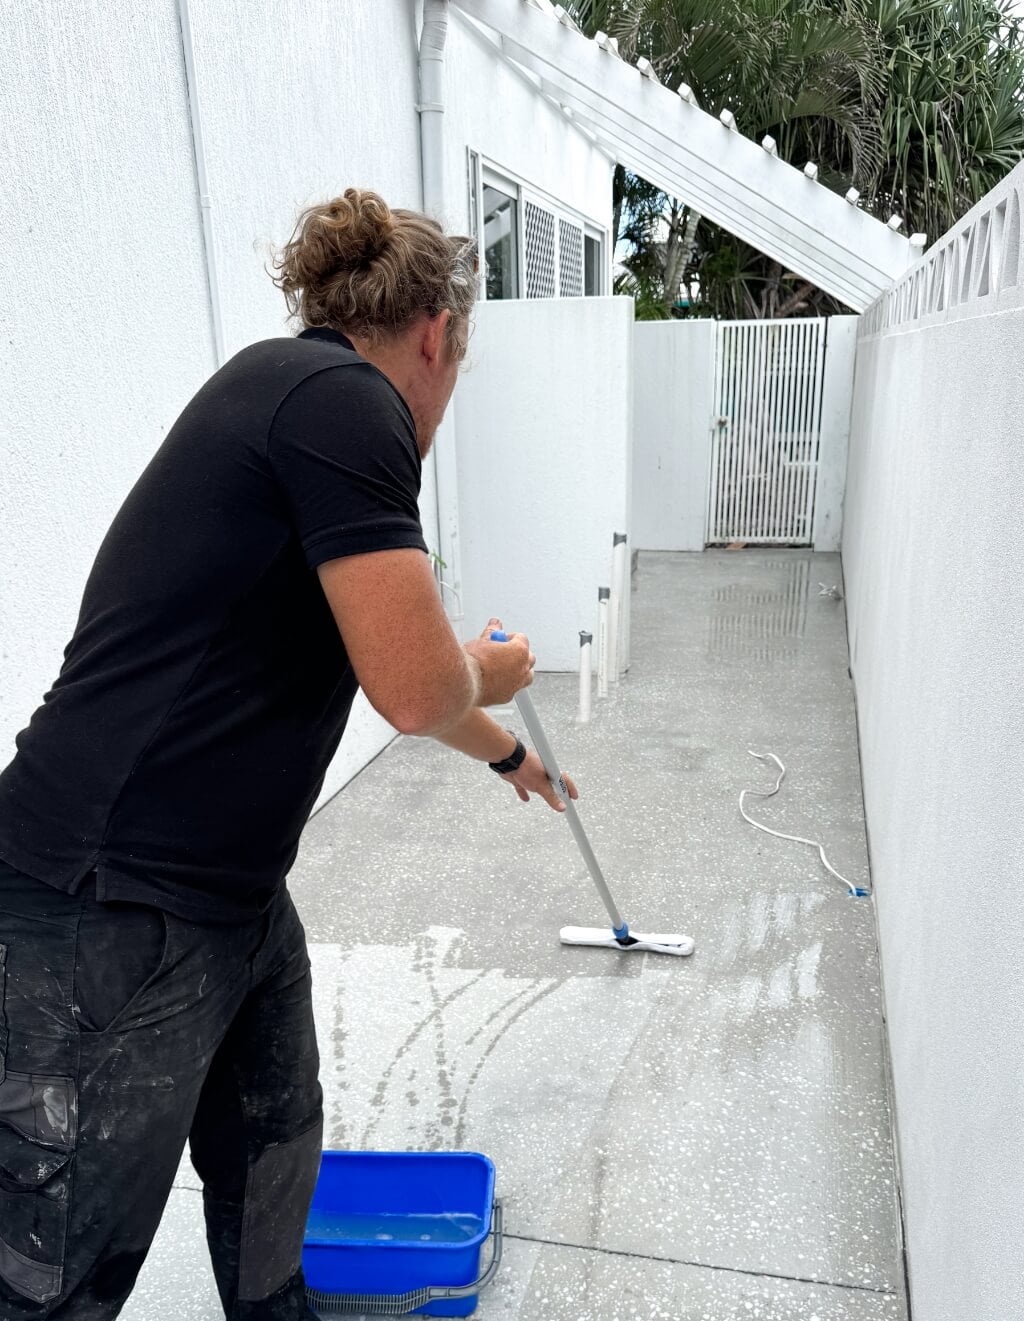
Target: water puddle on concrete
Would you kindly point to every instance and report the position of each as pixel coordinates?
(757, 616)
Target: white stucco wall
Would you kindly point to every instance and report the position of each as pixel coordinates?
(300, 103)
(836, 404)
(933, 547)
(673, 387)
(498, 112)
(105, 326)
(543, 424)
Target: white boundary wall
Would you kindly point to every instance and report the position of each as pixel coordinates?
(673, 416)
(933, 548)
(543, 424)
(673, 398)
(105, 329)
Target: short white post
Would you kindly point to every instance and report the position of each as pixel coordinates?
(603, 594)
(586, 677)
(615, 608)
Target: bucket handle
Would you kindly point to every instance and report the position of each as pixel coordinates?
(401, 1304)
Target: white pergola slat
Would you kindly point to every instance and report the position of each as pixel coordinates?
(694, 156)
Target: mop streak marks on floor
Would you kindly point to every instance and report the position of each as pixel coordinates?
(423, 1048)
(676, 1139)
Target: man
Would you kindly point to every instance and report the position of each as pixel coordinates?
(154, 981)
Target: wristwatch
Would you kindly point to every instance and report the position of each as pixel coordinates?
(513, 761)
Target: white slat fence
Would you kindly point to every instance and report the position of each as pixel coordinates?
(766, 436)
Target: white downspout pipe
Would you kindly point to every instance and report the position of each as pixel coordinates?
(431, 110)
(205, 201)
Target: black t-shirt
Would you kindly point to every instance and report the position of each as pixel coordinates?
(206, 687)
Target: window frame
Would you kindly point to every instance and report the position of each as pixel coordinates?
(480, 172)
(603, 266)
(488, 176)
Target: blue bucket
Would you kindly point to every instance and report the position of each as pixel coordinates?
(395, 1232)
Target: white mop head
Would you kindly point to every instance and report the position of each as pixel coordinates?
(638, 943)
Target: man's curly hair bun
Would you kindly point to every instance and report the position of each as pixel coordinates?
(361, 268)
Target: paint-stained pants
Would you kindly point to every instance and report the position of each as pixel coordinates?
(125, 1031)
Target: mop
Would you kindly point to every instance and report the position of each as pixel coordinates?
(619, 936)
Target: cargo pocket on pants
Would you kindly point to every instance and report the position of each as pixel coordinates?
(278, 1192)
(38, 1124)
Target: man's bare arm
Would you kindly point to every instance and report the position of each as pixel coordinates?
(477, 735)
(406, 657)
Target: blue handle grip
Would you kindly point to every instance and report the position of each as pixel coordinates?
(499, 636)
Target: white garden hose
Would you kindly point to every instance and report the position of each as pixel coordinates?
(854, 891)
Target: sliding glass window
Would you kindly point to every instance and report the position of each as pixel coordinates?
(501, 242)
(592, 265)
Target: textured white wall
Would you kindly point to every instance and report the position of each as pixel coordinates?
(104, 311)
(104, 323)
(836, 403)
(299, 103)
(932, 552)
(543, 423)
(673, 387)
(498, 112)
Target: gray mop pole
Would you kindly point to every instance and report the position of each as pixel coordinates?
(539, 739)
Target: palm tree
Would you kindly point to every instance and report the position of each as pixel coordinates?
(952, 123)
(916, 102)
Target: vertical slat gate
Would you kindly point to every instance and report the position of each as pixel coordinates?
(766, 432)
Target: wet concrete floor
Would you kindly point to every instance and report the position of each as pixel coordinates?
(702, 1139)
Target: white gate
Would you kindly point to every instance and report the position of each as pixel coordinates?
(766, 435)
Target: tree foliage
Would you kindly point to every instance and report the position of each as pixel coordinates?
(917, 103)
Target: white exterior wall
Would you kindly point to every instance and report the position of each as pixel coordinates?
(299, 102)
(543, 420)
(673, 398)
(104, 323)
(105, 329)
(933, 548)
(836, 404)
(497, 111)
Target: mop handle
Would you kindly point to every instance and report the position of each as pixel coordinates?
(539, 739)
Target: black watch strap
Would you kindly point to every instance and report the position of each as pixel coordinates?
(513, 761)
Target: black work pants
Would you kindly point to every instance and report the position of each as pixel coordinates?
(125, 1031)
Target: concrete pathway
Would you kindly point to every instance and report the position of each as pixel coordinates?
(697, 1140)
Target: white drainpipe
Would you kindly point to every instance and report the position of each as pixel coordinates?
(205, 201)
(431, 109)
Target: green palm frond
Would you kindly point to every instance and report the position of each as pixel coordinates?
(918, 103)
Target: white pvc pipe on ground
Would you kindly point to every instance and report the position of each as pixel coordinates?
(626, 616)
(586, 677)
(613, 619)
(603, 594)
(617, 609)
